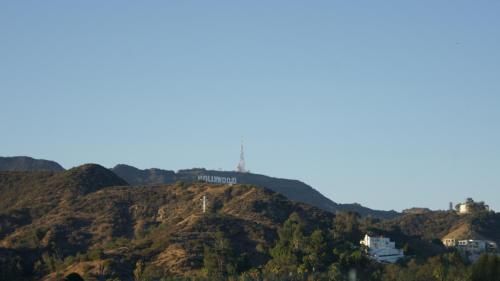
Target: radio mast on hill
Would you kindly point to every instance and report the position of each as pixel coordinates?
(241, 165)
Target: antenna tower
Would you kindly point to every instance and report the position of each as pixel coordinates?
(241, 165)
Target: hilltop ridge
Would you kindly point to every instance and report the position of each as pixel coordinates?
(24, 163)
(293, 189)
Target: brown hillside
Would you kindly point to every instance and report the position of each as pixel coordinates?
(77, 219)
(440, 224)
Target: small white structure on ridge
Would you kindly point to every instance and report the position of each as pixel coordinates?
(464, 208)
(204, 203)
(382, 249)
(471, 206)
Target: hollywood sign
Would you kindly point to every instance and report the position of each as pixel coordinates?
(216, 179)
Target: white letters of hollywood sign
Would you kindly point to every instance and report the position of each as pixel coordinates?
(215, 179)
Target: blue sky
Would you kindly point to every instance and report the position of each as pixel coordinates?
(391, 104)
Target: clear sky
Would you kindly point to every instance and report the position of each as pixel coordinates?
(391, 104)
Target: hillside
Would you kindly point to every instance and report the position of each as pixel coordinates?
(85, 217)
(23, 163)
(44, 190)
(89, 221)
(440, 224)
(135, 176)
(433, 226)
(292, 189)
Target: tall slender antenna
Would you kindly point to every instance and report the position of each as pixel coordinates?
(241, 165)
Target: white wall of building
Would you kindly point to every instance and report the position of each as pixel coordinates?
(382, 249)
(463, 208)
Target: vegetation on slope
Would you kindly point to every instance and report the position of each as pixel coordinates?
(441, 224)
(87, 222)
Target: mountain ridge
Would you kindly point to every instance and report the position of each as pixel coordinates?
(293, 189)
(84, 218)
(25, 163)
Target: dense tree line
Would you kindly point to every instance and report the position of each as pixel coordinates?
(300, 253)
(335, 255)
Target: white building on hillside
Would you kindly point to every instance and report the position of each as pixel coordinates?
(471, 206)
(382, 249)
(463, 208)
(471, 248)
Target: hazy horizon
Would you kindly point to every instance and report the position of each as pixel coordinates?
(388, 104)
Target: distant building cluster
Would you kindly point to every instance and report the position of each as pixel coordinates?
(471, 206)
(468, 243)
(471, 248)
(382, 249)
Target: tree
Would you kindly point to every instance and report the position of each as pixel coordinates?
(288, 251)
(316, 252)
(334, 273)
(346, 227)
(447, 267)
(219, 260)
(487, 268)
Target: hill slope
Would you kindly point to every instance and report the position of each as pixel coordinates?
(23, 163)
(433, 226)
(86, 220)
(293, 189)
(91, 220)
(42, 190)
